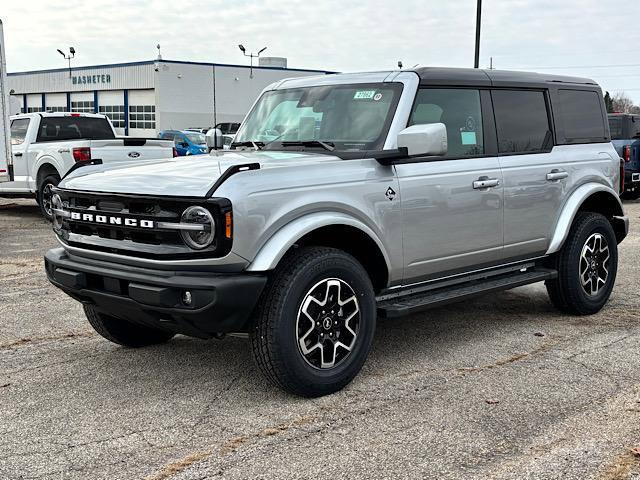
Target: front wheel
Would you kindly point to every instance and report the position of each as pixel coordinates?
(587, 266)
(45, 193)
(315, 322)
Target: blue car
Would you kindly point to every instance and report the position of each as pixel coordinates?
(186, 143)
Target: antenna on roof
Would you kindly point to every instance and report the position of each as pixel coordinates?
(159, 54)
(400, 64)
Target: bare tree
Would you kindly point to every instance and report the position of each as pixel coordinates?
(622, 103)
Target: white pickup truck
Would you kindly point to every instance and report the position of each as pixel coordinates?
(45, 146)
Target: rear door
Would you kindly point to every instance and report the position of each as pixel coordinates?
(534, 175)
(452, 205)
(5, 144)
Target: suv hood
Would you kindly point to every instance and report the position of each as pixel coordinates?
(182, 176)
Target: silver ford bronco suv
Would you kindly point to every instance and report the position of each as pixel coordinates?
(345, 198)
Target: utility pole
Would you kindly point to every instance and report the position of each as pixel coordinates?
(476, 62)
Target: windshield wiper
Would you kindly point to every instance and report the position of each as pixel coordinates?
(249, 143)
(310, 143)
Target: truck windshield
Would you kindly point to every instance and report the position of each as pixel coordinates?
(349, 117)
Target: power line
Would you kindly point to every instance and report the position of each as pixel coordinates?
(584, 66)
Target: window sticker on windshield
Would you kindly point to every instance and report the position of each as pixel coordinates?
(377, 97)
(468, 138)
(364, 94)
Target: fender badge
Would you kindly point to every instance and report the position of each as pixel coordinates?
(390, 193)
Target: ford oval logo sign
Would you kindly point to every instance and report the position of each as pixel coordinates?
(134, 154)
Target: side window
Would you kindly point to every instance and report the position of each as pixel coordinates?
(634, 128)
(19, 129)
(581, 116)
(522, 121)
(459, 110)
(178, 139)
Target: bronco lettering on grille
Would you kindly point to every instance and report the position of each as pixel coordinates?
(111, 220)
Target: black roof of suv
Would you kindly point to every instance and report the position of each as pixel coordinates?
(495, 78)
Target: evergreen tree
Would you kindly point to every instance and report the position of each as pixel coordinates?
(608, 102)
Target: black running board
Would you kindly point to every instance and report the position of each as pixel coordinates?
(406, 305)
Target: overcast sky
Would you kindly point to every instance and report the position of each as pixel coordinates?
(594, 38)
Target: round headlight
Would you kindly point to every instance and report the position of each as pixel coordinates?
(56, 218)
(198, 238)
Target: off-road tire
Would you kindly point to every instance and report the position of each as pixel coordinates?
(125, 333)
(566, 291)
(274, 335)
(44, 203)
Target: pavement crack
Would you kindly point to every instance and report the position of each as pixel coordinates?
(30, 341)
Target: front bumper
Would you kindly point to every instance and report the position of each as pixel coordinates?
(220, 303)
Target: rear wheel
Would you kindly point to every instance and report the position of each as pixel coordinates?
(45, 193)
(587, 266)
(125, 333)
(315, 323)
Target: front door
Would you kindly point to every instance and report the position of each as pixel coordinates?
(19, 128)
(451, 205)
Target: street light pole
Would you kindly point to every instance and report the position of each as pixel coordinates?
(72, 53)
(476, 62)
(252, 56)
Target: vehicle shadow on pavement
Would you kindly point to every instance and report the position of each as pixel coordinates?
(453, 337)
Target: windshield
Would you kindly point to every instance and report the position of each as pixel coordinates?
(197, 138)
(350, 117)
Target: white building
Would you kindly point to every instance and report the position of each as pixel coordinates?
(142, 98)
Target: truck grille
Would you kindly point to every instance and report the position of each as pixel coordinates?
(131, 224)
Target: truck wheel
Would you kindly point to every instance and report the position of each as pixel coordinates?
(124, 333)
(587, 266)
(631, 195)
(44, 195)
(315, 322)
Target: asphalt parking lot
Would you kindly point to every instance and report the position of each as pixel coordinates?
(501, 387)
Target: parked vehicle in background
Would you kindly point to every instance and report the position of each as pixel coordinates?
(229, 128)
(5, 145)
(186, 142)
(625, 136)
(345, 198)
(45, 146)
(198, 129)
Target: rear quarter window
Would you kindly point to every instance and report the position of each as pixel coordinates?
(581, 116)
(616, 128)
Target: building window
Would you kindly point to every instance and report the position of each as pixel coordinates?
(142, 116)
(84, 106)
(56, 109)
(34, 109)
(115, 114)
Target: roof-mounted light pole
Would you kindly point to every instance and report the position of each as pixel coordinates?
(252, 56)
(72, 53)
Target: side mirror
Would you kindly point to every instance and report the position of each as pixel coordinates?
(428, 140)
(214, 139)
(184, 145)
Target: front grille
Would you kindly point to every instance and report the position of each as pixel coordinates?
(91, 215)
